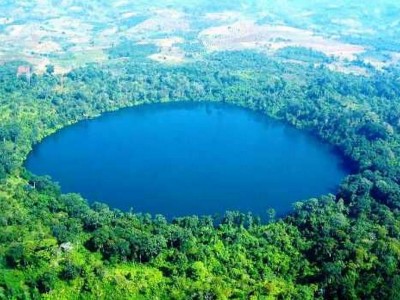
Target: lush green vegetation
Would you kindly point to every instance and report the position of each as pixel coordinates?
(344, 246)
(303, 54)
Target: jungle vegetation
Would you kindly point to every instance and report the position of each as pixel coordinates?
(342, 246)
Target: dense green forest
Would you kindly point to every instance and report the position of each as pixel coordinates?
(343, 246)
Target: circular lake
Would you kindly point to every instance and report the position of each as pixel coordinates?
(181, 159)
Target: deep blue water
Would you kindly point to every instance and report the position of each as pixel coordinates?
(188, 158)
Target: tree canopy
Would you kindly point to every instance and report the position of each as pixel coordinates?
(343, 246)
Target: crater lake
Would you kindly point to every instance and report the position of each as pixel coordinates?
(189, 158)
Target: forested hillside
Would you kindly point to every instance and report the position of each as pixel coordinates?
(343, 246)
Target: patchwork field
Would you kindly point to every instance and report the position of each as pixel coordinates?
(68, 35)
(248, 35)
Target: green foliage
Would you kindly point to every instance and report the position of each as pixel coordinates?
(338, 247)
(303, 54)
(131, 49)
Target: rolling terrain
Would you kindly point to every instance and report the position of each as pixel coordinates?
(331, 70)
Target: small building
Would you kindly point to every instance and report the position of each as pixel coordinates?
(24, 70)
(66, 247)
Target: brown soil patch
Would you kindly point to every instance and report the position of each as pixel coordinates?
(248, 35)
(169, 52)
(167, 20)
